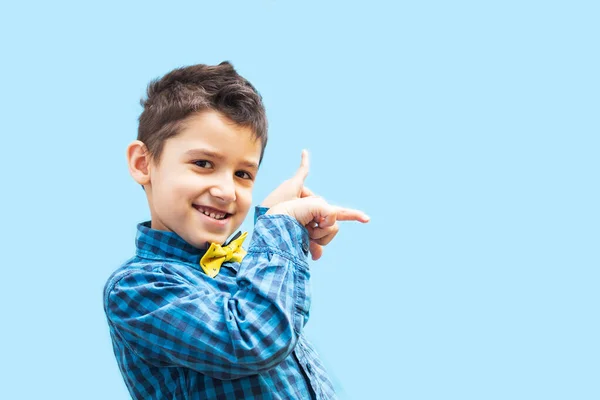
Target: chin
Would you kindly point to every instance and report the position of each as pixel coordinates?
(218, 239)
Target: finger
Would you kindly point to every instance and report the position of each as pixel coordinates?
(324, 236)
(302, 172)
(324, 241)
(306, 192)
(328, 220)
(349, 214)
(316, 250)
(319, 233)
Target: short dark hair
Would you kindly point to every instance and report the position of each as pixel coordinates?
(189, 90)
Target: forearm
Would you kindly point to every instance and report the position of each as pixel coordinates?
(276, 268)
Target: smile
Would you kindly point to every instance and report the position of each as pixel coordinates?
(211, 212)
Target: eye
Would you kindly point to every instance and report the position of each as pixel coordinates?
(203, 164)
(243, 175)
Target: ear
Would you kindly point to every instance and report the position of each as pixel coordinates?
(138, 160)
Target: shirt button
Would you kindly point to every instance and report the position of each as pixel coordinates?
(305, 247)
(309, 368)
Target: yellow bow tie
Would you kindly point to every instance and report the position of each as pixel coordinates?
(217, 254)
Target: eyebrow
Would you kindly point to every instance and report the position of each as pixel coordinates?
(208, 153)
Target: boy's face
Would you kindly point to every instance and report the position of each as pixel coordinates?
(201, 187)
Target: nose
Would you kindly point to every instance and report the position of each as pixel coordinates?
(224, 189)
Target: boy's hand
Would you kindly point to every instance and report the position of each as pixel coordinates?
(292, 188)
(319, 218)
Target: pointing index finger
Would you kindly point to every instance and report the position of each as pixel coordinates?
(349, 214)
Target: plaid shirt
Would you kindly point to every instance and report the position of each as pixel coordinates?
(179, 334)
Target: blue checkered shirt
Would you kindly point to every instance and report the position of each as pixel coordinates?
(179, 334)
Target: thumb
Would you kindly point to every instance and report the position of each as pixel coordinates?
(302, 171)
(306, 192)
(316, 250)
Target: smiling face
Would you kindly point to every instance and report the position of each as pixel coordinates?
(201, 187)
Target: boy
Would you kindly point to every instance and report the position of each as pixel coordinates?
(189, 318)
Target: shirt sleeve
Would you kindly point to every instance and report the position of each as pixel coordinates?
(167, 321)
(259, 211)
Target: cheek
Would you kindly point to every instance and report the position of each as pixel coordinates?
(174, 188)
(245, 197)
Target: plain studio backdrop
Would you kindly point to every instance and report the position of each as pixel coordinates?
(468, 131)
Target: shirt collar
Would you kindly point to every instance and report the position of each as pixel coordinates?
(162, 245)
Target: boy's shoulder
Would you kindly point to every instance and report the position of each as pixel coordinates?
(140, 269)
(131, 266)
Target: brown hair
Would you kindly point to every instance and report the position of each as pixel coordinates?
(188, 90)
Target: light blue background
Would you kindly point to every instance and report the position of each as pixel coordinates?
(468, 130)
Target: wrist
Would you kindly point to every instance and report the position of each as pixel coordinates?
(277, 209)
(284, 233)
(270, 201)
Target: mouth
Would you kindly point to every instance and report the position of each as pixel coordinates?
(213, 213)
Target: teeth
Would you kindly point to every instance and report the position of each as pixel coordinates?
(213, 215)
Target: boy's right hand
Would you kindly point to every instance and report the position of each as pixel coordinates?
(320, 233)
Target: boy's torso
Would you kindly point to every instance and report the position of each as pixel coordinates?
(300, 375)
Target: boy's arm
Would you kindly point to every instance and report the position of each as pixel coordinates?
(168, 322)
